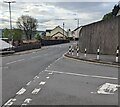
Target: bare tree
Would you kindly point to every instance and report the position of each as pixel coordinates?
(28, 25)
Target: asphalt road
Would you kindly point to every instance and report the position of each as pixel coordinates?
(49, 78)
(17, 70)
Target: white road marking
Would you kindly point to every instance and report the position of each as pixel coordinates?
(50, 73)
(83, 75)
(21, 91)
(10, 101)
(35, 56)
(28, 83)
(36, 90)
(28, 100)
(36, 77)
(14, 61)
(107, 88)
(42, 83)
(47, 77)
(23, 104)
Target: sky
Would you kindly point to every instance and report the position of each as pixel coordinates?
(52, 13)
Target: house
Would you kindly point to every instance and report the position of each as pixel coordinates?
(56, 33)
(76, 32)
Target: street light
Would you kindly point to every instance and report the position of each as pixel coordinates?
(9, 3)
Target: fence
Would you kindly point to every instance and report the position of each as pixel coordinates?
(53, 42)
(103, 34)
(27, 47)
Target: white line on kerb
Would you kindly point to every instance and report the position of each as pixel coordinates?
(14, 61)
(82, 75)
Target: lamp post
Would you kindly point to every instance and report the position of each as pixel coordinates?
(9, 3)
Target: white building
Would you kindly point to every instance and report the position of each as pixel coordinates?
(56, 33)
(76, 32)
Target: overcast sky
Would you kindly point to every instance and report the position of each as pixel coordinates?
(52, 14)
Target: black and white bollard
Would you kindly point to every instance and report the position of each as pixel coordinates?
(117, 54)
(98, 54)
(85, 52)
(77, 51)
(72, 51)
(69, 50)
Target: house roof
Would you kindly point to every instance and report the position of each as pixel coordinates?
(60, 28)
(57, 33)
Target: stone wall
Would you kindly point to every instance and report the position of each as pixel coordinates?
(103, 34)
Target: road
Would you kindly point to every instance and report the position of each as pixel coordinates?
(49, 78)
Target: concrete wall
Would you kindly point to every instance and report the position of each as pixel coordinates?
(103, 33)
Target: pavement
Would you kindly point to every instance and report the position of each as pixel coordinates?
(48, 77)
(104, 59)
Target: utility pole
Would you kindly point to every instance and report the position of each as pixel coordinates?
(78, 23)
(63, 28)
(9, 3)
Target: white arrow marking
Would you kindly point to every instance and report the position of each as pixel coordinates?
(27, 100)
(36, 90)
(42, 83)
(21, 91)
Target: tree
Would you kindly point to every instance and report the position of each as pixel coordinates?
(38, 37)
(107, 16)
(16, 34)
(28, 25)
(115, 10)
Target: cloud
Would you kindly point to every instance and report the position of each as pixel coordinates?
(51, 14)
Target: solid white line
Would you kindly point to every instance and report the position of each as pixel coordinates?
(14, 61)
(83, 75)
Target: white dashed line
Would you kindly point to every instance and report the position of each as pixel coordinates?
(42, 83)
(36, 77)
(47, 77)
(28, 83)
(50, 73)
(83, 75)
(14, 61)
(21, 91)
(36, 90)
